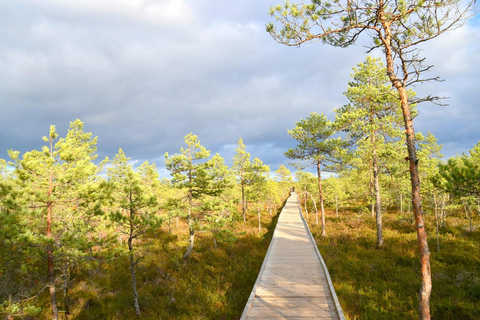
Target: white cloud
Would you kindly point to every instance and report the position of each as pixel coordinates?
(143, 74)
(171, 12)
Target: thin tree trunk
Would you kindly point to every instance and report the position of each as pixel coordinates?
(305, 203)
(315, 206)
(376, 183)
(469, 215)
(51, 284)
(191, 230)
(401, 202)
(134, 280)
(66, 288)
(259, 221)
(426, 278)
(133, 263)
(191, 239)
(443, 214)
(316, 210)
(319, 173)
(244, 209)
(51, 273)
(372, 191)
(336, 204)
(437, 224)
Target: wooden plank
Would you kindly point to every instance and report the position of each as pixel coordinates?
(292, 283)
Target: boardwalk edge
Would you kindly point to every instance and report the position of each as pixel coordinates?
(327, 274)
(248, 306)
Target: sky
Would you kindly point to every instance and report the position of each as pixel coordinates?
(142, 74)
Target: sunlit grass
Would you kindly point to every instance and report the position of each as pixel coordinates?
(214, 284)
(383, 283)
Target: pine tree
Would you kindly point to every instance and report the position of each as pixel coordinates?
(315, 146)
(136, 207)
(257, 190)
(241, 166)
(284, 177)
(398, 28)
(60, 184)
(372, 116)
(190, 171)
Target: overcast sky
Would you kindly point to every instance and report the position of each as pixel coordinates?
(143, 74)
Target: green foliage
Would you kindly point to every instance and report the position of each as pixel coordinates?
(374, 283)
(461, 175)
(374, 107)
(58, 194)
(105, 231)
(315, 145)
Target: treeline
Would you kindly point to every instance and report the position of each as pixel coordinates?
(364, 147)
(372, 173)
(65, 217)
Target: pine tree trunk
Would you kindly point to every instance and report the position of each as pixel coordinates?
(51, 284)
(259, 221)
(437, 224)
(132, 264)
(51, 273)
(376, 184)
(191, 240)
(134, 282)
(443, 214)
(319, 173)
(315, 207)
(66, 288)
(316, 210)
(372, 192)
(469, 218)
(426, 278)
(336, 204)
(401, 203)
(244, 209)
(305, 203)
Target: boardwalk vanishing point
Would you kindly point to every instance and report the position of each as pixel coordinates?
(293, 282)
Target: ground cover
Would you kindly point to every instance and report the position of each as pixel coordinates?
(214, 284)
(383, 283)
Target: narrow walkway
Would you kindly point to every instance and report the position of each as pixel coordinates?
(293, 282)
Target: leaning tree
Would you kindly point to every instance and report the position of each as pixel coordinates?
(398, 28)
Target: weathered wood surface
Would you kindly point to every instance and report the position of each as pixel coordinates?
(293, 282)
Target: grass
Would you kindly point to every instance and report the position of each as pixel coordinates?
(383, 283)
(214, 284)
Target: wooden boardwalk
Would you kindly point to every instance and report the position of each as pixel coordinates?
(293, 282)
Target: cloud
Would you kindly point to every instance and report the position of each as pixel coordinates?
(143, 74)
(164, 12)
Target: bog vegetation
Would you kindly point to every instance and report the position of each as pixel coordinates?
(88, 239)
(81, 240)
(84, 238)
